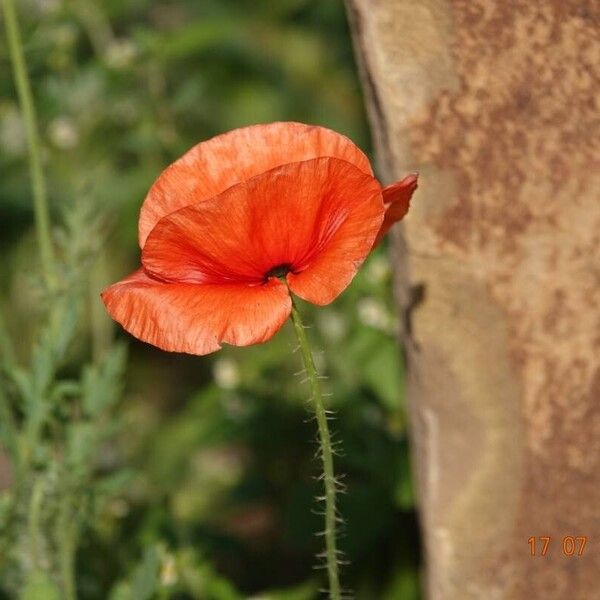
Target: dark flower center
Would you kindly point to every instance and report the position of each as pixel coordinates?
(279, 271)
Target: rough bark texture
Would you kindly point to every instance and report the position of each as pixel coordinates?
(497, 104)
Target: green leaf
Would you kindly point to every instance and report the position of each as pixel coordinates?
(305, 591)
(193, 38)
(383, 372)
(40, 587)
(7, 352)
(8, 426)
(49, 352)
(404, 585)
(144, 582)
(102, 383)
(81, 444)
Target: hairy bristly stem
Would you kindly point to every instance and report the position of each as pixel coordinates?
(329, 482)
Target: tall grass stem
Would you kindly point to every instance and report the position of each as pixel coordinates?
(38, 183)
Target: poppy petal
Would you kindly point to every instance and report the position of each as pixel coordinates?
(396, 198)
(211, 167)
(315, 220)
(183, 317)
(334, 267)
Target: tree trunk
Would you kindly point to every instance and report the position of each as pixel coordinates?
(496, 103)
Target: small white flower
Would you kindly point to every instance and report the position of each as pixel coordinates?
(63, 133)
(372, 312)
(377, 269)
(168, 571)
(226, 373)
(121, 54)
(333, 325)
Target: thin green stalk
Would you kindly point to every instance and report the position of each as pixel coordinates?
(66, 546)
(101, 327)
(42, 216)
(33, 521)
(8, 429)
(329, 482)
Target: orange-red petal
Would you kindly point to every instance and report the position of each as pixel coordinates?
(183, 317)
(211, 167)
(318, 218)
(396, 198)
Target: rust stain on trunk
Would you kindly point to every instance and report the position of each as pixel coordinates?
(498, 105)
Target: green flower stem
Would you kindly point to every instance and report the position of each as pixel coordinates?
(326, 455)
(42, 217)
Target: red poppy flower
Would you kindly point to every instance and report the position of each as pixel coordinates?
(229, 229)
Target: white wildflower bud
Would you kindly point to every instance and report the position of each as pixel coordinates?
(63, 133)
(226, 373)
(377, 269)
(121, 54)
(168, 571)
(333, 325)
(372, 312)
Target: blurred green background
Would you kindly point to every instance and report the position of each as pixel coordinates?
(218, 453)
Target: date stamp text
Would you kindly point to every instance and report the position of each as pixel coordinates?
(570, 545)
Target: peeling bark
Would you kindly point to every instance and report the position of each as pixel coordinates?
(497, 104)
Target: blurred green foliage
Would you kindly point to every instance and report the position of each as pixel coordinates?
(212, 462)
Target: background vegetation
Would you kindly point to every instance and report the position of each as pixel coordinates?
(196, 480)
